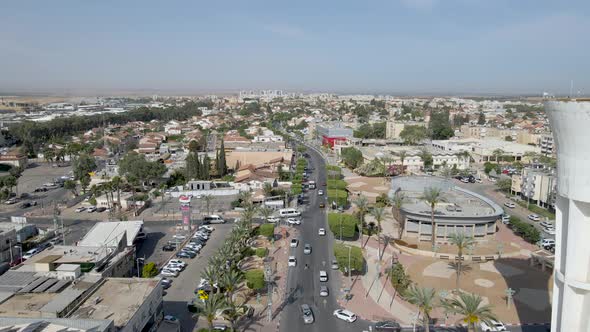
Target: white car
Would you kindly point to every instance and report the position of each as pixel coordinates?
(495, 326)
(547, 243)
(324, 291)
(177, 262)
(31, 253)
(178, 237)
(294, 243)
(510, 205)
(307, 249)
(320, 192)
(207, 227)
(172, 267)
(169, 273)
(171, 319)
(321, 231)
(293, 221)
(345, 315)
(194, 247)
(534, 217)
(80, 209)
(273, 220)
(506, 219)
(550, 230)
(292, 261)
(547, 224)
(91, 209)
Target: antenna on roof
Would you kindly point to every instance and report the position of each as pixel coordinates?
(572, 89)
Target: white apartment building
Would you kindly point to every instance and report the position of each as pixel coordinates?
(536, 186)
(546, 143)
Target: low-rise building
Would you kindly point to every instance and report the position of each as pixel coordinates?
(537, 186)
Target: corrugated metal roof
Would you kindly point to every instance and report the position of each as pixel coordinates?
(12, 279)
(109, 233)
(44, 286)
(58, 286)
(33, 285)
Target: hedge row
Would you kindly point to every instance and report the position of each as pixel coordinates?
(338, 196)
(527, 231)
(349, 225)
(357, 261)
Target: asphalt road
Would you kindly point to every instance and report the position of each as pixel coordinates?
(303, 284)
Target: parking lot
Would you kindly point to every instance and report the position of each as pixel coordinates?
(183, 286)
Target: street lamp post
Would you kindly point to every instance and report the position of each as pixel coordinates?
(138, 260)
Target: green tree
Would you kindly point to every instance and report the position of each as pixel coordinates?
(462, 242)
(362, 204)
(352, 157)
(378, 213)
(149, 270)
(481, 119)
(412, 134)
(208, 199)
(504, 184)
(210, 307)
(424, 299)
(10, 182)
(193, 166)
(71, 186)
(402, 157)
(471, 309)
(83, 165)
(221, 164)
(426, 157)
(230, 282)
(138, 170)
(397, 202)
(85, 182)
(439, 125)
(432, 196)
(497, 154)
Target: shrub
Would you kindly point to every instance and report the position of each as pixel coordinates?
(349, 225)
(261, 252)
(399, 279)
(336, 184)
(248, 252)
(357, 261)
(267, 230)
(338, 196)
(255, 279)
(150, 270)
(527, 231)
(333, 168)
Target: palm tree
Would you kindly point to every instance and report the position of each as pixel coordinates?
(424, 299)
(245, 197)
(362, 204)
(117, 183)
(378, 213)
(402, 157)
(208, 199)
(267, 188)
(211, 273)
(397, 202)
(461, 241)
(432, 196)
(230, 282)
(497, 154)
(248, 214)
(210, 307)
(471, 309)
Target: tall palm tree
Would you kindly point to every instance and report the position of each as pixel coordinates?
(208, 199)
(402, 157)
(461, 241)
(211, 274)
(397, 202)
(267, 188)
(362, 204)
(378, 213)
(471, 309)
(230, 282)
(424, 299)
(117, 183)
(210, 307)
(245, 197)
(432, 196)
(248, 214)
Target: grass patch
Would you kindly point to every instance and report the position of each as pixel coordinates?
(357, 262)
(349, 225)
(537, 210)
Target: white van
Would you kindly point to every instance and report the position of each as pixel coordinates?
(213, 219)
(289, 213)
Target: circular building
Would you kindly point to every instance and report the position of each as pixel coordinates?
(458, 210)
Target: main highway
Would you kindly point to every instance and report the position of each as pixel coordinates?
(303, 284)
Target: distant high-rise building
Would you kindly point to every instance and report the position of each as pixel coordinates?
(570, 122)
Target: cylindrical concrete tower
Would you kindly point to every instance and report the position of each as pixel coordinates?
(570, 123)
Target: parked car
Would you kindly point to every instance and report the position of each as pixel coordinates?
(25, 205)
(273, 220)
(321, 231)
(550, 230)
(80, 209)
(493, 326)
(387, 325)
(171, 267)
(547, 243)
(91, 209)
(178, 262)
(207, 228)
(166, 283)
(547, 224)
(101, 209)
(294, 221)
(184, 254)
(307, 314)
(179, 237)
(169, 273)
(534, 217)
(510, 205)
(324, 291)
(171, 319)
(345, 315)
(11, 201)
(168, 247)
(307, 249)
(31, 253)
(506, 219)
(294, 243)
(292, 261)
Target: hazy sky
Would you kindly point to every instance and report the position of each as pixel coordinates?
(396, 46)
